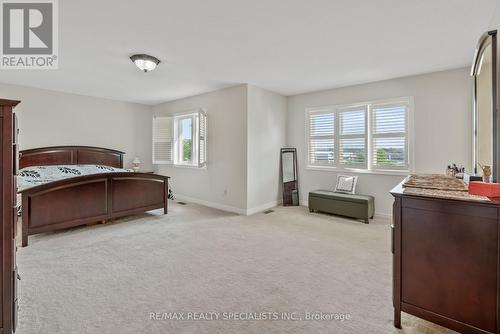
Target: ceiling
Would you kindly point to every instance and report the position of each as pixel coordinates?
(287, 46)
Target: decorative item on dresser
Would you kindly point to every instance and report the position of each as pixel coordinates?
(8, 278)
(86, 199)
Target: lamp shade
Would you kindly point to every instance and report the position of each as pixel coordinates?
(136, 160)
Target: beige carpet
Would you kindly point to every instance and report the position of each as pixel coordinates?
(110, 278)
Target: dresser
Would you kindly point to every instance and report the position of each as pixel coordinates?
(9, 276)
(446, 256)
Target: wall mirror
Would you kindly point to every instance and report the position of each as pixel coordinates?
(484, 71)
(289, 176)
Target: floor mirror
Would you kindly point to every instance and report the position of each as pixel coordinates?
(289, 176)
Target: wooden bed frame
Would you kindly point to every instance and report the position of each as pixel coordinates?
(85, 199)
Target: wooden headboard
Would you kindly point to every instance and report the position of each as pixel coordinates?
(70, 155)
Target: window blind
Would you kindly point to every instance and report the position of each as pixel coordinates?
(163, 141)
(369, 136)
(352, 137)
(202, 139)
(322, 138)
(390, 136)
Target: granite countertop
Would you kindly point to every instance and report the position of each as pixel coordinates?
(435, 181)
(437, 186)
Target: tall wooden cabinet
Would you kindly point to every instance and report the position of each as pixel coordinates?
(8, 277)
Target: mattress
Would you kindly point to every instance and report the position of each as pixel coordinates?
(36, 175)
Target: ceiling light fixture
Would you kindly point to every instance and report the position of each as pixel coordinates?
(145, 62)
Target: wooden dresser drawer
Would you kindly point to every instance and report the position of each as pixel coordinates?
(449, 207)
(449, 255)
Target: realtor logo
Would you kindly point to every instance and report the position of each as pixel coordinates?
(29, 34)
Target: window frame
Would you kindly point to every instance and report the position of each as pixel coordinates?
(370, 168)
(333, 137)
(405, 134)
(177, 146)
(352, 108)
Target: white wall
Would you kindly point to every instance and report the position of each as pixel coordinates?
(266, 128)
(246, 127)
(49, 118)
(495, 20)
(223, 183)
(442, 128)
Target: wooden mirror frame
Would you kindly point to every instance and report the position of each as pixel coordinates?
(487, 39)
(291, 186)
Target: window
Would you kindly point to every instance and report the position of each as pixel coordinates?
(180, 139)
(163, 140)
(364, 136)
(322, 139)
(185, 140)
(389, 136)
(352, 137)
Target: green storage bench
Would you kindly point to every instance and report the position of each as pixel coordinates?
(349, 205)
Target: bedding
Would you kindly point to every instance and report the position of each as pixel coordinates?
(36, 175)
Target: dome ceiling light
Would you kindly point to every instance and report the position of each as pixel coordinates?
(145, 62)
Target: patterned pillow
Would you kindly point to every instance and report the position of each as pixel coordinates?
(346, 184)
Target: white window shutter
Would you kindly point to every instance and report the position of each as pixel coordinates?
(352, 137)
(163, 140)
(202, 139)
(321, 128)
(390, 136)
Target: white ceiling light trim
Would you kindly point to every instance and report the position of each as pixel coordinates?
(145, 62)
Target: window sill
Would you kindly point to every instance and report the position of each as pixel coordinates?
(360, 171)
(184, 166)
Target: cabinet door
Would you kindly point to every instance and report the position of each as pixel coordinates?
(15, 159)
(449, 264)
(15, 305)
(5, 204)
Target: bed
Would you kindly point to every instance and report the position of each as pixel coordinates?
(94, 188)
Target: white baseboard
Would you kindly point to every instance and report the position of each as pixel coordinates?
(383, 215)
(262, 207)
(214, 205)
(228, 208)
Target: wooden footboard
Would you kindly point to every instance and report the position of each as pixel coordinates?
(90, 198)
